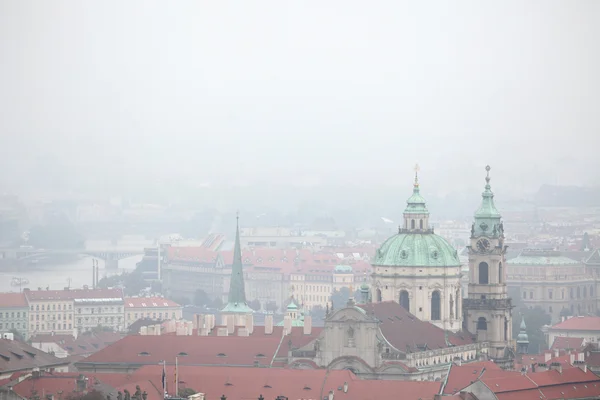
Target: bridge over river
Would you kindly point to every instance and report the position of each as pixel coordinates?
(109, 251)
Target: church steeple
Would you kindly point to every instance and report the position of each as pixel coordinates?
(522, 339)
(487, 216)
(416, 215)
(236, 301)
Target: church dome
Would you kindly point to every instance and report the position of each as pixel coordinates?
(416, 245)
(416, 250)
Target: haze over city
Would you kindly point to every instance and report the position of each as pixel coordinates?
(109, 96)
(278, 200)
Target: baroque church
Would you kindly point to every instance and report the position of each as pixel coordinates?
(411, 322)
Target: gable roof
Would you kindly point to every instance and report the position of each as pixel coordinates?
(461, 376)
(249, 383)
(18, 356)
(149, 302)
(406, 332)
(579, 323)
(190, 350)
(594, 258)
(13, 300)
(564, 343)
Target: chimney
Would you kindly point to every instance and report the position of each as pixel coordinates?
(242, 331)
(287, 325)
(547, 356)
(345, 387)
(556, 352)
(198, 321)
(580, 356)
(307, 325)
(250, 323)
(81, 383)
(230, 324)
(213, 321)
(144, 330)
(330, 397)
(222, 332)
(190, 328)
(268, 324)
(157, 330)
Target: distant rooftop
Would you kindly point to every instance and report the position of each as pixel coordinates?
(541, 257)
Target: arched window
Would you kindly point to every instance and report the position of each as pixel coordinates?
(500, 272)
(481, 324)
(412, 224)
(578, 293)
(584, 292)
(435, 306)
(421, 224)
(404, 300)
(379, 295)
(483, 273)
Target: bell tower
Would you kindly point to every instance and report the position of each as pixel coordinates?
(487, 310)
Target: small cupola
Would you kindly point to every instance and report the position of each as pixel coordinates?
(416, 215)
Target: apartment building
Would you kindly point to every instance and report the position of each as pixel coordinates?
(98, 308)
(50, 311)
(155, 308)
(14, 315)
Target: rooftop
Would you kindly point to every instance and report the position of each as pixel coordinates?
(579, 324)
(540, 257)
(13, 300)
(18, 356)
(404, 331)
(149, 302)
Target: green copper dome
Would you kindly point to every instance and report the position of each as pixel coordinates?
(416, 203)
(416, 250)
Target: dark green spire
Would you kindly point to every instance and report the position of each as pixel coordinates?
(237, 291)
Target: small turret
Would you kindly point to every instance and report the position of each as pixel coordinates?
(522, 339)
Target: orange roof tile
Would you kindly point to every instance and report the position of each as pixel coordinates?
(13, 300)
(579, 324)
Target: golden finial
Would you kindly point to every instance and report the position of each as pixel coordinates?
(417, 169)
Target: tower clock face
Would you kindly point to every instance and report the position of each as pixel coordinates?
(483, 245)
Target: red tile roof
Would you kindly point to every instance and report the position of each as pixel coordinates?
(49, 384)
(579, 324)
(17, 356)
(462, 376)
(149, 302)
(191, 350)
(13, 300)
(405, 331)
(192, 254)
(567, 343)
(249, 383)
(85, 344)
(63, 295)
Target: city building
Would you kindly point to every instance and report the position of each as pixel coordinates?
(280, 238)
(75, 348)
(586, 328)
(98, 308)
(152, 308)
(50, 311)
(547, 279)
(488, 308)
(14, 314)
(419, 269)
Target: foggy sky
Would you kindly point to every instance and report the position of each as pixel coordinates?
(114, 94)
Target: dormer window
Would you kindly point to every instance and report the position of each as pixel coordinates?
(144, 353)
(221, 355)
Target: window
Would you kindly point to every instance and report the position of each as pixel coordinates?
(578, 293)
(572, 293)
(412, 224)
(550, 309)
(404, 300)
(524, 295)
(531, 295)
(483, 273)
(481, 324)
(550, 294)
(591, 291)
(379, 297)
(421, 224)
(562, 294)
(584, 292)
(435, 306)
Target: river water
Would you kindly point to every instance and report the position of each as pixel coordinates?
(73, 273)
